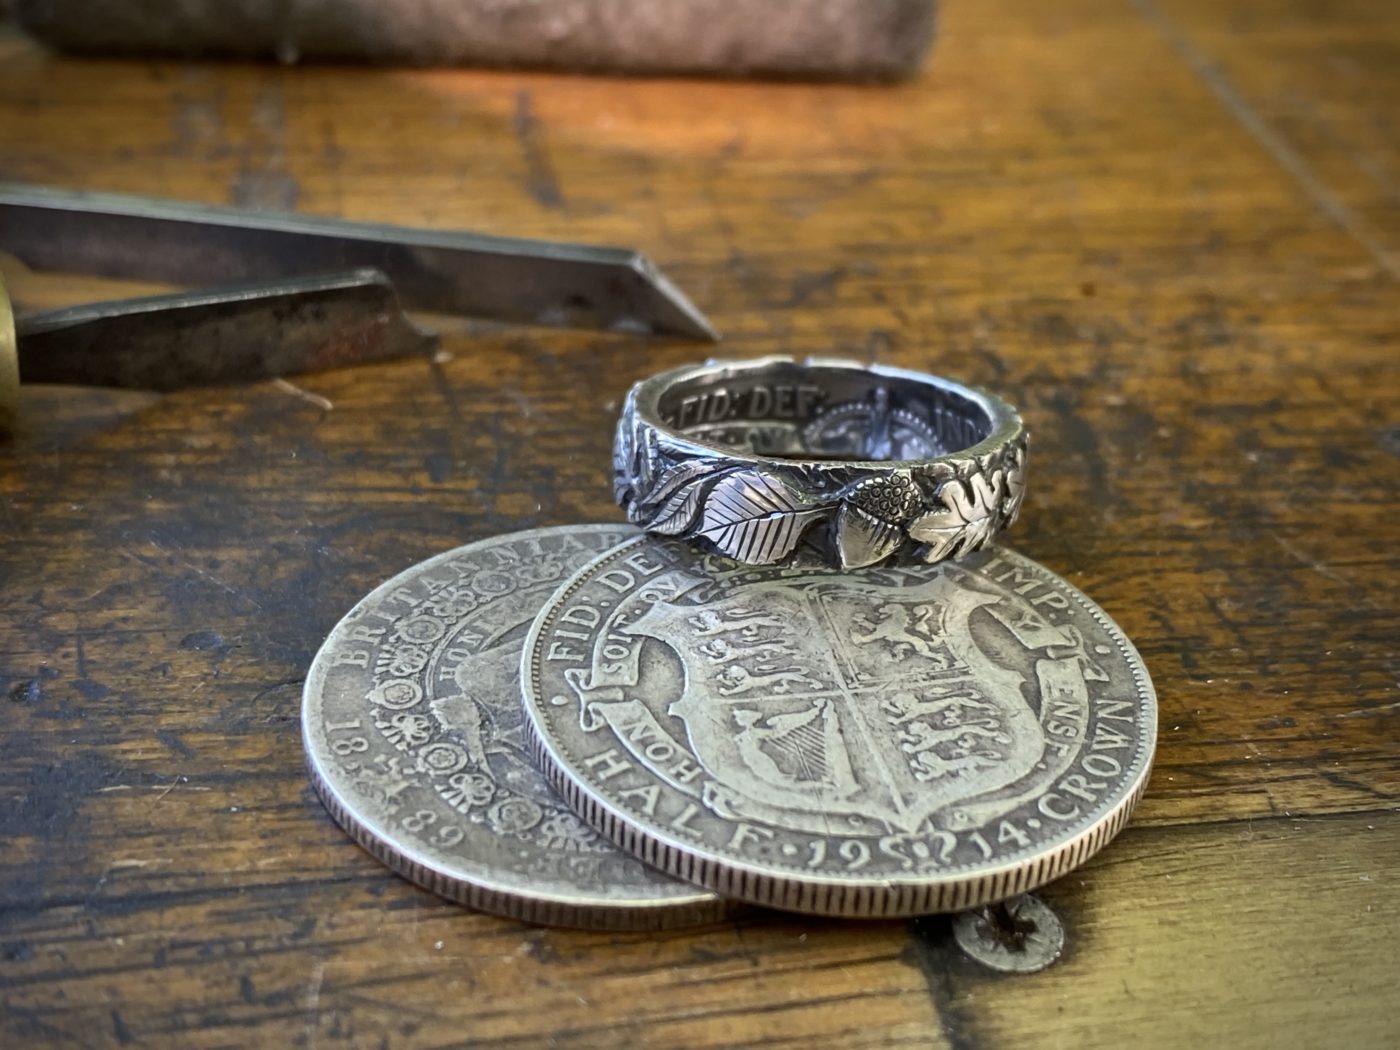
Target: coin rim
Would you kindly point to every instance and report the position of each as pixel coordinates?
(474, 890)
(835, 894)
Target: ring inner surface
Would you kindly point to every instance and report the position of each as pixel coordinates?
(812, 412)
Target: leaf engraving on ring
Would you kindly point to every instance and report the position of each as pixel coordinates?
(756, 518)
(967, 520)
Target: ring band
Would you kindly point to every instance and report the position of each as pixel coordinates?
(862, 462)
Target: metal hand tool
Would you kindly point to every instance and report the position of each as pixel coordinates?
(306, 293)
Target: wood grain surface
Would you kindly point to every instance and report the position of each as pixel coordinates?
(1168, 229)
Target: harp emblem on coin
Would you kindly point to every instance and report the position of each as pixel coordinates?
(884, 703)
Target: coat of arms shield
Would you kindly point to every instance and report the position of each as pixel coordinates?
(846, 704)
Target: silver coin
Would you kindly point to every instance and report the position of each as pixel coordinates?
(416, 743)
(883, 742)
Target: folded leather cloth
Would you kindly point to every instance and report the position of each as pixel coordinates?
(857, 39)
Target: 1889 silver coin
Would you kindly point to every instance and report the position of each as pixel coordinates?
(416, 742)
(882, 742)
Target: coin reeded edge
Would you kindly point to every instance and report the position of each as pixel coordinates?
(891, 897)
(539, 910)
(478, 892)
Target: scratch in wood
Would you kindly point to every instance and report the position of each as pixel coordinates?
(521, 400)
(1364, 712)
(1316, 566)
(262, 180)
(1341, 780)
(133, 862)
(928, 952)
(540, 179)
(325, 404)
(1275, 144)
(227, 587)
(313, 1002)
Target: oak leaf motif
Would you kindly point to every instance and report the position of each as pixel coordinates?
(1015, 486)
(967, 519)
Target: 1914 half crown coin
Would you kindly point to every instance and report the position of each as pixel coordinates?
(889, 741)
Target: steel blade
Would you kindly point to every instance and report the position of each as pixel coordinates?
(221, 335)
(476, 275)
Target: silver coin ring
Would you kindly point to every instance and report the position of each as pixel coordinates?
(862, 463)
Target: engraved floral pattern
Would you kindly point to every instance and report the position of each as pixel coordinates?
(467, 791)
(406, 729)
(541, 570)
(759, 511)
(442, 758)
(564, 831)
(1015, 484)
(493, 582)
(453, 603)
(442, 643)
(422, 629)
(407, 660)
(396, 694)
(967, 520)
(515, 815)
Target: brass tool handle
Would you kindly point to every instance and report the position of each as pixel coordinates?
(9, 362)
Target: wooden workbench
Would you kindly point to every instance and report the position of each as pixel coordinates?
(1168, 229)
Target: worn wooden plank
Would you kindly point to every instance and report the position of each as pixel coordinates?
(1303, 90)
(1183, 936)
(1065, 209)
(1189, 937)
